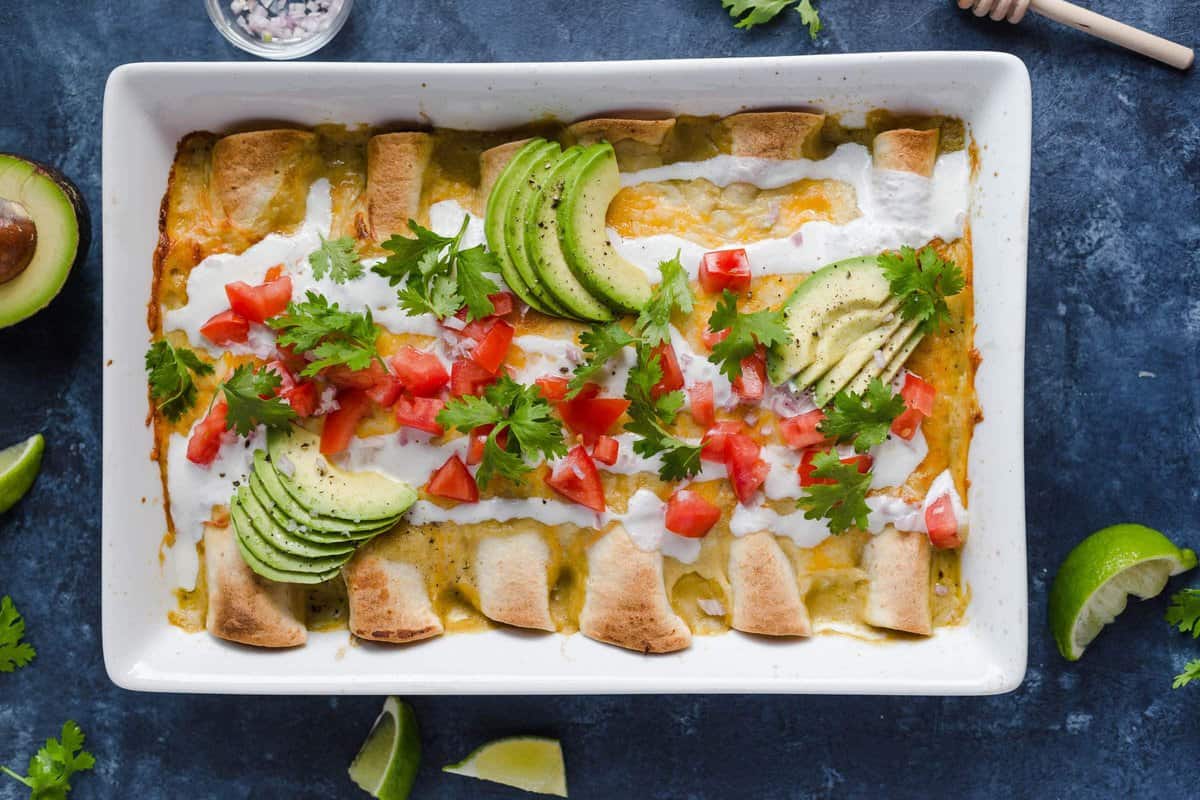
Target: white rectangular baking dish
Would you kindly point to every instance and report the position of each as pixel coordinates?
(148, 107)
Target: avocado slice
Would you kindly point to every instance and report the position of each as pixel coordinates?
(897, 363)
(529, 182)
(299, 531)
(264, 482)
(545, 253)
(497, 213)
(590, 187)
(841, 335)
(327, 490)
(267, 571)
(858, 356)
(827, 295)
(277, 560)
(44, 232)
(280, 537)
(878, 368)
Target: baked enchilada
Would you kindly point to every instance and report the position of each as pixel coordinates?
(640, 379)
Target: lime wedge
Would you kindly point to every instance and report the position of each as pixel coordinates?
(386, 765)
(19, 465)
(1097, 577)
(532, 763)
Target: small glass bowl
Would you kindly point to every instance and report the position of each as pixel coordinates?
(226, 21)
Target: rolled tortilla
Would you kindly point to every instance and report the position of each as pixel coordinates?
(396, 164)
(513, 579)
(260, 179)
(766, 596)
(897, 567)
(243, 606)
(907, 150)
(626, 599)
(388, 600)
(773, 134)
(491, 163)
(637, 142)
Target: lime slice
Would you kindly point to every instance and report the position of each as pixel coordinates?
(1097, 577)
(532, 763)
(386, 765)
(19, 465)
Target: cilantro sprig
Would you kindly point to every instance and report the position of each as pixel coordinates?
(510, 407)
(337, 258)
(250, 397)
(1184, 614)
(672, 294)
(169, 371)
(922, 280)
(600, 343)
(50, 770)
(843, 503)
(747, 330)
(866, 418)
(14, 653)
(749, 13)
(329, 334)
(649, 417)
(436, 277)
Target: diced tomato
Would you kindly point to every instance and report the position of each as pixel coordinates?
(420, 372)
(576, 478)
(478, 329)
(303, 398)
(206, 438)
(502, 303)
(712, 338)
(287, 355)
(385, 390)
(553, 388)
(420, 413)
(753, 380)
(273, 273)
(746, 470)
(672, 378)
(714, 441)
(467, 377)
(286, 381)
(801, 431)
(606, 450)
(942, 524)
(479, 439)
(918, 397)
(691, 515)
(725, 269)
(590, 416)
(453, 480)
(807, 468)
(700, 395)
(343, 377)
(260, 303)
(226, 328)
(353, 405)
(493, 347)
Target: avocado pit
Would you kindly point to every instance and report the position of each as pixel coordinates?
(18, 239)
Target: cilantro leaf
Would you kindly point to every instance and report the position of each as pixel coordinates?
(673, 293)
(169, 371)
(866, 418)
(520, 410)
(337, 258)
(600, 344)
(1191, 671)
(13, 652)
(746, 332)
(251, 399)
(844, 502)
(649, 416)
(435, 277)
(330, 334)
(1184, 611)
(810, 17)
(922, 280)
(749, 13)
(51, 768)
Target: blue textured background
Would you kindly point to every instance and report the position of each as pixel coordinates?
(1111, 417)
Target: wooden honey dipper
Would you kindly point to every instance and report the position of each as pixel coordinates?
(1118, 33)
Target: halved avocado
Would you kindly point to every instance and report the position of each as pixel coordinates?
(264, 482)
(44, 232)
(529, 182)
(591, 185)
(267, 561)
(497, 214)
(280, 537)
(827, 295)
(327, 490)
(545, 252)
